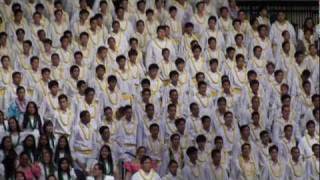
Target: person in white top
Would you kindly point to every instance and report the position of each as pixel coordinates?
(214, 170)
(313, 163)
(146, 171)
(296, 166)
(174, 172)
(310, 138)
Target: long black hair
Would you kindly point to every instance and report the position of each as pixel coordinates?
(26, 117)
(60, 171)
(108, 160)
(66, 150)
(9, 159)
(32, 150)
(51, 165)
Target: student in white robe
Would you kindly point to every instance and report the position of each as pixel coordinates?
(57, 27)
(174, 171)
(264, 42)
(120, 41)
(92, 104)
(214, 170)
(275, 168)
(146, 171)
(23, 58)
(245, 166)
(50, 101)
(265, 142)
(70, 85)
(279, 26)
(156, 85)
(230, 132)
(313, 163)
(199, 19)
(203, 98)
(229, 62)
(125, 25)
(225, 21)
(281, 121)
(196, 63)
(287, 142)
(188, 40)
(166, 65)
(238, 74)
(17, 22)
(194, 120)
(174, 24)
(123, 75)
(185, 138)
(212, 32)
(155, 46)
(310, 138)
(99, 83)
(96, 34)
(155, 145)
(146, 119)
(82, 141)
(296, 166)
(64, 117)
(192, 169)
(204, 149)
(244, 139)
(173, 152)
(128, 133)
(112, 96)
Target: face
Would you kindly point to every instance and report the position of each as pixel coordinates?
(24, 160)
(202, 89)
(12, 124)
(161, 33)
(35, 64)
(75, 73)
(281, 17)
(246, 150)
(105, 153)
(288, 132)
(63, 103)
(228, 119)
(172, 111)
(181, 126)
(265, 138)
(196, 53)
(7, 143)
(21, 94)
(147, 165)
(174, 95)
(258, 52)
(219, 144)
(173, 168)
(295, 153)
(286, 111)
(47, 157)
(195, 109)
(175, 141)
(206, 124)
(279, 77)
(49, 128)
(245, 132)
(274, 154)
(64, 165)
(255, 102)
(150, 111)
(153, 72)
(62, 143)
(5, 62)
(154, 131)
(141, 152)
(180, 66)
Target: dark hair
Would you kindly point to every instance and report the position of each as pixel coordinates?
(60, 172)
(66, 150)
(37, 119)
(30, 150)
(108, 160)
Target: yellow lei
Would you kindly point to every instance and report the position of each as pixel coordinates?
(296, 168)
(249, 168)
(68, 120)
(86, 133)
